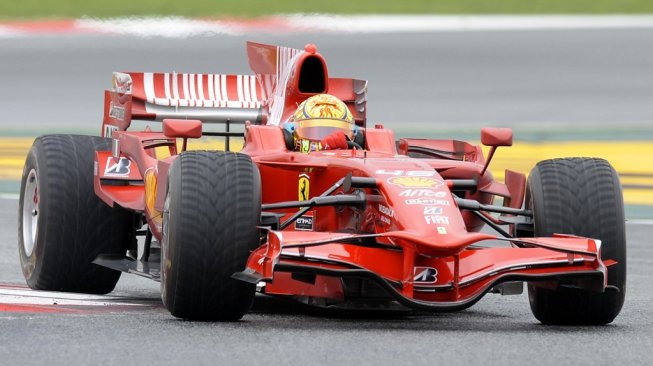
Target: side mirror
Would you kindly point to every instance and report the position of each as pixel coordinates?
(494, 137)
(491, 136)
(184, 128)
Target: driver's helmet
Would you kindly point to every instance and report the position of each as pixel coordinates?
(319, 116)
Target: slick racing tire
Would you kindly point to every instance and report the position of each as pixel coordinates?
(211, 213)
(62, 225)
(580, 196)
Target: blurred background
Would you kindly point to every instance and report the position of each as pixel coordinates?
(571, 77)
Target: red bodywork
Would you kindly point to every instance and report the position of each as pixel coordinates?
(410, 239)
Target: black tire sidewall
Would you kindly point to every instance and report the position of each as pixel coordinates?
(568, 305)
(229, 299)
(74, 225)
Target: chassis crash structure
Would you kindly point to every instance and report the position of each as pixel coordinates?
(383, 225)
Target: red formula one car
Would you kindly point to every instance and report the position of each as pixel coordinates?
(382, 224)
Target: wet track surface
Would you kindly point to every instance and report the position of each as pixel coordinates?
(131, 326)
(542, 81)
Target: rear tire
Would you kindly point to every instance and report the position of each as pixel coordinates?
(580, 196)
(210, 219)
(62, 225)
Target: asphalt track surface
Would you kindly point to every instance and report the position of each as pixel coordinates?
(498, 330)
(534, 81)
(585, 81)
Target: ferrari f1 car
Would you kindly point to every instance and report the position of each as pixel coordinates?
(384, 224)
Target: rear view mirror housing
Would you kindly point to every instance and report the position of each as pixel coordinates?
(184, 128)
(493, 136)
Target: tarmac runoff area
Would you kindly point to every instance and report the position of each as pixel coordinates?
(635, 170)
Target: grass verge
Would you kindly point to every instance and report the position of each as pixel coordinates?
(31, 9)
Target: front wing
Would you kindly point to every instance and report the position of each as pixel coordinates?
(419, 274)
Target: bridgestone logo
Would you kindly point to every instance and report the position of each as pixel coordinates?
(109, 129)
(117, 169)
(425, 275)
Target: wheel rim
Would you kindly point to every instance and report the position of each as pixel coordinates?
(30, 212)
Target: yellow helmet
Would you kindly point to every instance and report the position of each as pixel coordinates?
(321, 115)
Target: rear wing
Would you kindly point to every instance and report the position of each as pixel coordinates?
(212, 98)
(283, 78)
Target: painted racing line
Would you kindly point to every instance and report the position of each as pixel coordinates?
(630, 159)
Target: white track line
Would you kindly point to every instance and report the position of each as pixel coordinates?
(9, 196)
(180, 27)
(31, 297)
(8, 32)
(171, 27)
(435, 23)
(640, 222)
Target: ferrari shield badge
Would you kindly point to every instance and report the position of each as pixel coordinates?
(303, 187)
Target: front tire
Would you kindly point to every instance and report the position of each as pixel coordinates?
(580, 196)
(62, 225)
(211, 214)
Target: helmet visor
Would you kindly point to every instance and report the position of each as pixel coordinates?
(319, 128)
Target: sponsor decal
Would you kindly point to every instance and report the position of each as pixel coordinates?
(435, 219)
(386, 210)
(304, 187)
(408, 173)
(304, 223)
(424, 275)
(420, 193)
(305, 146)
(427, 202)
(432, 210)
(108, 130)
(385, 219)
(121, 83)
(150, 196)
(116, 112)
(442, 230)
(415, 182)
(118, 168)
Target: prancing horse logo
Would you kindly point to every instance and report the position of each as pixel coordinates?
(304, 187)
